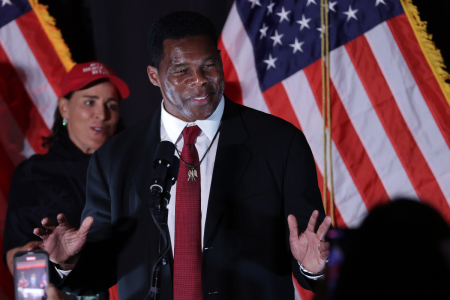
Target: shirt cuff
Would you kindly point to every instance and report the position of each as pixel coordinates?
(310, 275)
(62, 273)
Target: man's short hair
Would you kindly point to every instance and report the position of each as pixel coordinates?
(177, 25)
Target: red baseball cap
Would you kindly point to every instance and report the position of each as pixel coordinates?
(85, 73)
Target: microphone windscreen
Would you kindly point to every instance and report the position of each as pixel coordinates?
(164, 151)
(175, 167)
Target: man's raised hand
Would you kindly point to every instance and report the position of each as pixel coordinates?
(309, 248)
(62, 242)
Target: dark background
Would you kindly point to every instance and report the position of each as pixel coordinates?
(115, 32)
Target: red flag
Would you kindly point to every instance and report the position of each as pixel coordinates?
(33, 59)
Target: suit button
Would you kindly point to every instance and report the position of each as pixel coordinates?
(207, 248)
(213, 293)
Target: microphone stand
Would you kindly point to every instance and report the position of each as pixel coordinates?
(159, 200)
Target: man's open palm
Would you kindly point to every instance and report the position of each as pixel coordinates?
(62, 242)
(309, 248)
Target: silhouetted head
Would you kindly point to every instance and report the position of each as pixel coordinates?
(397, 253)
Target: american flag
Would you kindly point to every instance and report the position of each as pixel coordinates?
(389, 102)
(33, 59)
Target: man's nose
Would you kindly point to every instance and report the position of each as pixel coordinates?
(198, 78)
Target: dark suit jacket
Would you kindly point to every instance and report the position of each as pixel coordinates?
(264, 171)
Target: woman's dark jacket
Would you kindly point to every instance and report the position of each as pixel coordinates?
(44, 186)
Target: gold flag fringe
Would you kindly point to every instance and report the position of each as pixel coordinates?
(53, 33)
(432, 54)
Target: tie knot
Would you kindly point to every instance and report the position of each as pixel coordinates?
(190, 134)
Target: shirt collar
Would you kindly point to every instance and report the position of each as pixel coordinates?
(174, 126)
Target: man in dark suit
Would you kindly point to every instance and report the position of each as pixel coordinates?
(247, 185)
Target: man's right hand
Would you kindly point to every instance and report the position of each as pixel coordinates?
(63, 242)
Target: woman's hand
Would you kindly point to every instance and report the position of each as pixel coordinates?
(10, 253)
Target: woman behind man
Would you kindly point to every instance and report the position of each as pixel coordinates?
(46, 185)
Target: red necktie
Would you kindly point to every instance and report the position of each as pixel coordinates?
(187, 280)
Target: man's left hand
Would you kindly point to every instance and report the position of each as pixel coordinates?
(309, 248)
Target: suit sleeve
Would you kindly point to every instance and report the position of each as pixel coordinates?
(98, 201)
(95, 270)
(301, 192)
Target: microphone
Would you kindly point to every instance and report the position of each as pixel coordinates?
(163, 161)
(172, 175)
(166, 166)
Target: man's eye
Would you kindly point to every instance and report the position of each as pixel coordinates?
(183, 71)
(89, 102)
(210, 65)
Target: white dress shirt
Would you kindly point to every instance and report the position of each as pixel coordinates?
(171, 130)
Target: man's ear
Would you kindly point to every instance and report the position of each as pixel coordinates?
(153, 75)
(63, 105)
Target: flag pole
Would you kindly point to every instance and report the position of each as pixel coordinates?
(328, 66)
(326, 111)
(324, 106)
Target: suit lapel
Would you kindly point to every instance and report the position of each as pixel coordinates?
(144, 165)
(231, 161)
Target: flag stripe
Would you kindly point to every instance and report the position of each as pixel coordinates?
(3, 209)
(11, 137)
(422, 73)
(338, 219)
(232, 87)
(347, 197)
(348, 143)
(42, 49)
(389, 114)
(318, 171)
(301, 293)
(26, 65)
(239, 49)
(412, 105)
(337, 216)
(15, 101)
(368, 127)
(7, 169)
(279, 105)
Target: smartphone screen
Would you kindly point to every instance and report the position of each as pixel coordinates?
(30, 274)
